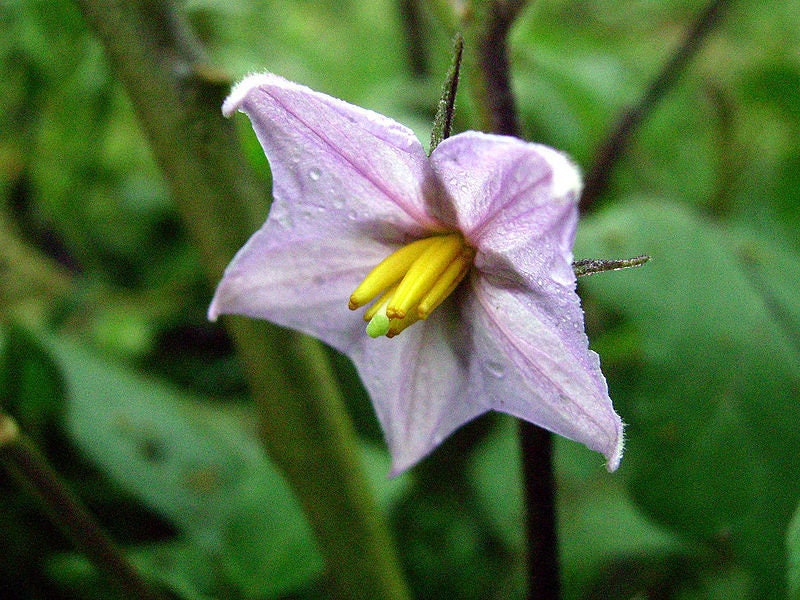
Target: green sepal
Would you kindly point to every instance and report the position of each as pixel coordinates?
(443, 121)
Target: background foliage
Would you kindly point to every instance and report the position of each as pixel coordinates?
(107, 360)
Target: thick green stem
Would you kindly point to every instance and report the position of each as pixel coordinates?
(304, 424)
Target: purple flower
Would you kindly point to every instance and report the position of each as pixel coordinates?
(478, 286)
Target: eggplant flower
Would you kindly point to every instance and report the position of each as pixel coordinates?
(446, 279)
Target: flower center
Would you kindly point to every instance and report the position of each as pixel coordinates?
(411, 282)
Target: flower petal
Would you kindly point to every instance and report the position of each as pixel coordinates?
(418, 384)
(515, 202)
(538, 368)
(303, 284)
(349, 188)
(365, 172)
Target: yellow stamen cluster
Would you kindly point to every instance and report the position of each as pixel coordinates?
(412, 282)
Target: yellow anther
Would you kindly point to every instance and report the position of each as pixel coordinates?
(446, 284)
(389, 271)
(423, 274)
(412, 282)
(398, 325)
(380, 303)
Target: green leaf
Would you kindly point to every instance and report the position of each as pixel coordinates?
(194, 466)
(593, 508)
(793, 547)
(31, 386)
(179, 566)
(710, 395)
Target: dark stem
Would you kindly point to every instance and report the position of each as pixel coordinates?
(494, 64)
(536, 443)
(540, 501)
(24, 462)
(616, 143)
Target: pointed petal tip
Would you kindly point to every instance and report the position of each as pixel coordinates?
(241, 89)
(615, 456)
(213, 311)
(406, 457)
(234, 99)
(215, 308)
(567, 178)
(401, 466)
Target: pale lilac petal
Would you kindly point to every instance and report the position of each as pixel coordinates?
(354, 169)
(419, 385)
(349, 187)
(515, 202)
(303, 284)
(539, 368)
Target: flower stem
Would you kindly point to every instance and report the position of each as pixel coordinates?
(304, 425)
(540, 503)
(24, 462)
(492, 80)
(498, 107)
(616, 142)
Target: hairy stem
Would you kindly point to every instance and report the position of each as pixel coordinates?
(24, 462)
(617, 141)
(445, 112)
(590, 266)
(304, 425)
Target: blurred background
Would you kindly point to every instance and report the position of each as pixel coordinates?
(108, 363)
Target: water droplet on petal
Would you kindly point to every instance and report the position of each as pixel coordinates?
(496, 369)
(314, 174)
(284, 219)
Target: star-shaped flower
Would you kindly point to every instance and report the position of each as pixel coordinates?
(465, 257)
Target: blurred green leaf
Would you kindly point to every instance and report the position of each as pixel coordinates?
(31, 386)
(793, 547)
(593, 510)
(331, 46)
(178, 566)
(194, 464)
(563, 97)
(496, 471)
(713, 446)
(196, 467)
